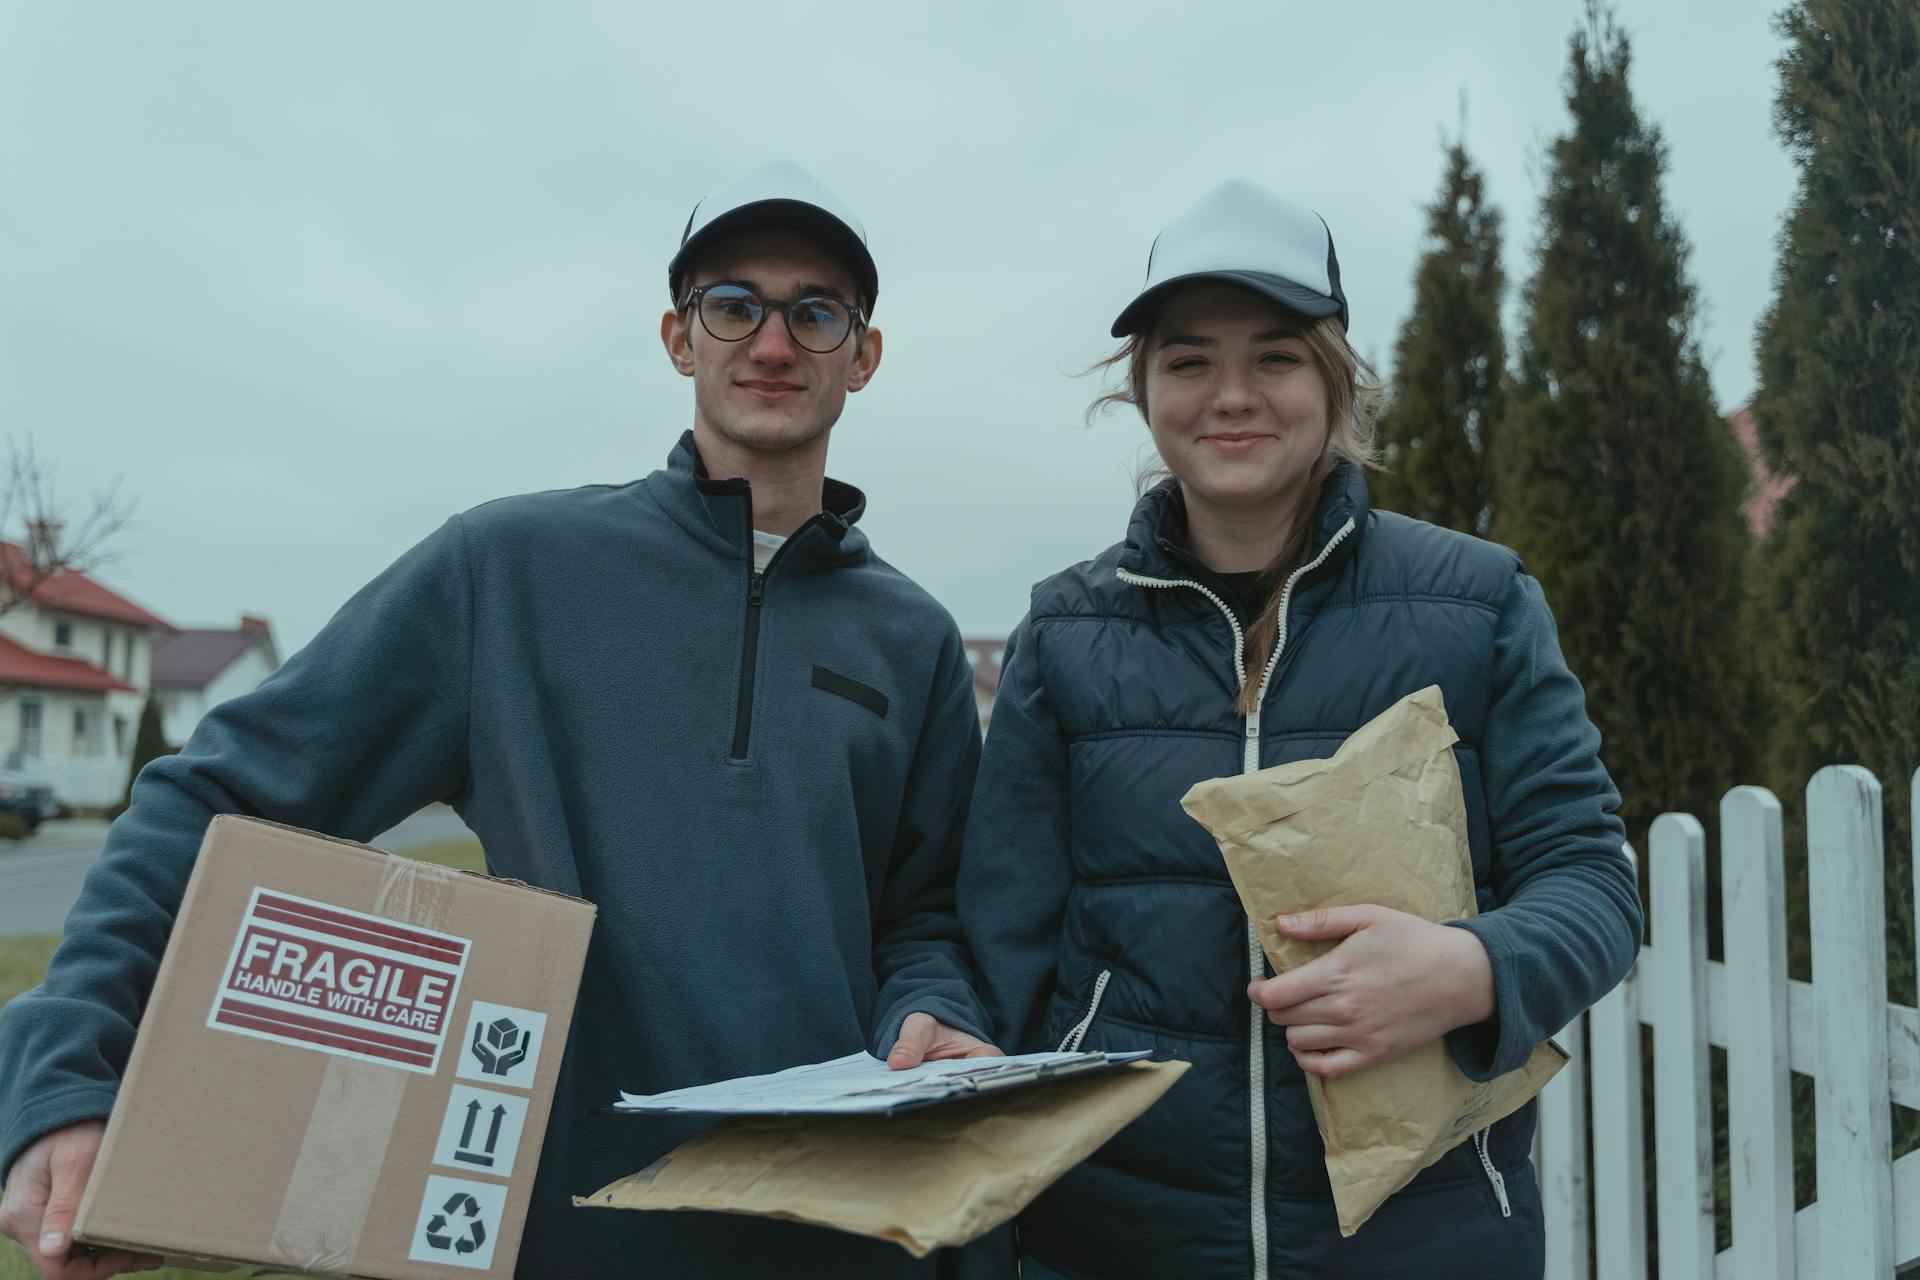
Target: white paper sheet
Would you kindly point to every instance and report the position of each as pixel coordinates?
(860, 1084)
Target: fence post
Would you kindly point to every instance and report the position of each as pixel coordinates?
(1854, 1143)
(1759, 1100)
(1619, 1143)
(1683, 1118)
(1563, 1183)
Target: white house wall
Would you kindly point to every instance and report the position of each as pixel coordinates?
(9, 726)
(180, 712)
(181, 709)
(127, 708)
(27, 626)
(35, 628)
(242, 675)
(140, 670)
(95, 775)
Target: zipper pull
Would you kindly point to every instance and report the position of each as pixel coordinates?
(756, 587)
(1480, 1144)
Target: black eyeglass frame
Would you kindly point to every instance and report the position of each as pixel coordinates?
(856, 318)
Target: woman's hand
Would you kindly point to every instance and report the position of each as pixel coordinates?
(1395, 983)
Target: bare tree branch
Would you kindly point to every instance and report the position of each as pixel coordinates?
(46, 539)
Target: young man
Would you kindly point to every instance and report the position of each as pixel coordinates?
(698, 700)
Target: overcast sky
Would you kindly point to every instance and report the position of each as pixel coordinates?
(309, 278)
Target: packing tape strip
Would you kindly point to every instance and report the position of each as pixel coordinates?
(334, 1177)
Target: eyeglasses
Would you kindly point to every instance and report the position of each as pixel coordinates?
(818, 322)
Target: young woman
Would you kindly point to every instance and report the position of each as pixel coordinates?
(1257, 612)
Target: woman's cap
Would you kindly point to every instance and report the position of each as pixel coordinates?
(777, 194)
(1244, 235)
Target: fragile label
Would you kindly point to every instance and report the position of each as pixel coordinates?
(322, 977)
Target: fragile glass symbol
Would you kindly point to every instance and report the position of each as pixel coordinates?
(466, 1151)
(467, 1207)
(493, 1045)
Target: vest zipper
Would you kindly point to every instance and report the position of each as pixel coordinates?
(1077, 1033)
(1493, 1175)
(1256, 958)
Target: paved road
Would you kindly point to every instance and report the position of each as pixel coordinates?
(40, 877)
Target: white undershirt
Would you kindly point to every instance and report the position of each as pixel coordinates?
(764, 545)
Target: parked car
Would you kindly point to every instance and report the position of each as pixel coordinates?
(27, 798)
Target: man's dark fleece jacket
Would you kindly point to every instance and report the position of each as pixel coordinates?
(760, 780)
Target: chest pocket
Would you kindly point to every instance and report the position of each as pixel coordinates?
(852, 690)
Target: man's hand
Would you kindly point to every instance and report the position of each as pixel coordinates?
(1395, 983)
(43, 1193)
(924, 1038)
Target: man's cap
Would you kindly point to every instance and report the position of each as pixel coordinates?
(777, 194)
(1244, 235)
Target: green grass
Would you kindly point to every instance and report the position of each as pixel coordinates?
(14, 1266)
(23, 960)
(462, 855)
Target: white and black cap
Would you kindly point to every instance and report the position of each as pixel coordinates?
(1243, 234)
(777, 194)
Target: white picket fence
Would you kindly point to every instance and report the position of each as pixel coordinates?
(1862, 1051)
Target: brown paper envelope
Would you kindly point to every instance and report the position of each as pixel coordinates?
(1382, 821)
(925, 1178)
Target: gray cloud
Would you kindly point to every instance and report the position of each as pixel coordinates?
(312, 278)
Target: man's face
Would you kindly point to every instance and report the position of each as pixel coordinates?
(765, 392)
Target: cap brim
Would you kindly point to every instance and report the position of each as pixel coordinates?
(1278, 290)
(795, 214)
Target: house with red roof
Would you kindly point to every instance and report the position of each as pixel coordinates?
(76, 661)
(985, 653)
(198, 668)
(1767, 489)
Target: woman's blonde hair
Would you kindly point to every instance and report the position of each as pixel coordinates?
(1353, 402)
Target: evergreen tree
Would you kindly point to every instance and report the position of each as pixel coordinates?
(1835, 608)
(149, 744)
(1618, 481)
(1449, 376)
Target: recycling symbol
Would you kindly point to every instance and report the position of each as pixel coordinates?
(460, 1207)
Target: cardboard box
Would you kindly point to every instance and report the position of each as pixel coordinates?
(345, 1067)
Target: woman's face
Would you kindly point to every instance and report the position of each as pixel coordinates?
(1235, 403)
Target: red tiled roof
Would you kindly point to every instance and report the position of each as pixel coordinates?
(985, 655)
(72, 592)
(1768, 488)
(24, 666)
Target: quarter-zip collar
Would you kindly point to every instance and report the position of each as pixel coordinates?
(1156, 545)
(719, 513)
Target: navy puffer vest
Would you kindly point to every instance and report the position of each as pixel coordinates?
(1136, 651)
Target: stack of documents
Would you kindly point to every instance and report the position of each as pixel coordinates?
(862, 1085)
(853, 1145)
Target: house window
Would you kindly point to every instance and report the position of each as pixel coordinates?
(63, 635)
(119, 735)
(82, 744)
(106, 649)
(126, 655)
(30, 726)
